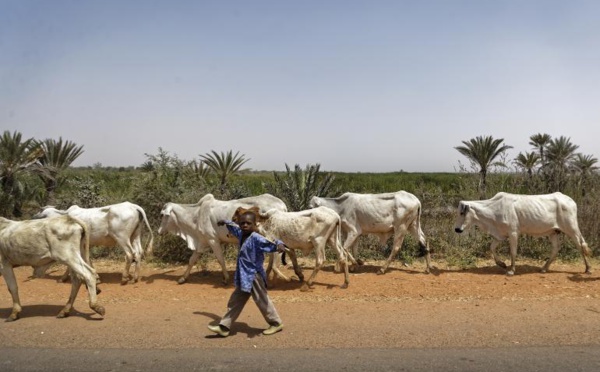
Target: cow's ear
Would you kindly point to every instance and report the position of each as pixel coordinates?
(465, 208)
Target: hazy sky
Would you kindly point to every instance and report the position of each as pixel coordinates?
(371, 86)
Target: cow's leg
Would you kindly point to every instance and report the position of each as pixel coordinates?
(350, 245)
(274, 265)
(217, 248)
(65, 276)
(130, 258)
(498, 261)
(586, 252)
(419, 236)
(11, 283)
(555, 247)
(138, 251)
(513, 240)
(319, 247)
(342, 258)
(350, 262)
(400, 232)
(270, 265)
(81, 270)
(343, 261)
(193, 259)
(297, 270)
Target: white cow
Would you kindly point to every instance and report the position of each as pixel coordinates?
(396, 213)
(40, 243)
(308, 230)
(506, 216)
(117, 224)
(197, 225)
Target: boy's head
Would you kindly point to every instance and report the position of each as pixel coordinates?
(250, 217)
(247, 222)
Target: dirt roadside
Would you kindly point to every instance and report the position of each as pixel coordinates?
(404, 308)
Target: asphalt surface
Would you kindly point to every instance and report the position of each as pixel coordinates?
(547, 359)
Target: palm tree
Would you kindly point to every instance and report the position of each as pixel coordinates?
(559, 153)
(584, 165)
(483, 151)
(199, 169)
(224, 164)
(539, 142)
(527, 162)
(297, 187)
(16, 157)
(57, 157)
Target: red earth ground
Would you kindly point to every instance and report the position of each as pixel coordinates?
(404, 308)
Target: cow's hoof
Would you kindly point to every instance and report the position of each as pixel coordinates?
(360, 262)
(588, 272)
(510, 273)
(380, 271)
(12, 317)
(544, 270)
(344, 286)
(501, 264)
(62, 314)
(181, 280)
(352, 268)
(99, 310)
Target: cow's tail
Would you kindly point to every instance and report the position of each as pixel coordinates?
(149, 247)
(420, 235)
(345, 254)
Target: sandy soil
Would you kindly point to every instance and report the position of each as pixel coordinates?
(404, 308)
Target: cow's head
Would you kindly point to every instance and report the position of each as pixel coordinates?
(167, 219)
(48, 212)
(463, 217)
(314, 202)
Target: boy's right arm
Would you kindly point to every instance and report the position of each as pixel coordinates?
(232, 227)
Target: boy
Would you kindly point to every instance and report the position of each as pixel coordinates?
(250, 278)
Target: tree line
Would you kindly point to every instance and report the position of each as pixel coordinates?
(32, 170)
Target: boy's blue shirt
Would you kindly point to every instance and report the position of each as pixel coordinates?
(250, 256)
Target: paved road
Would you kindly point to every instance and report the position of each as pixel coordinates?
(546, 359)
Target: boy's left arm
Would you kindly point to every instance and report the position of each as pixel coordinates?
(232, 227)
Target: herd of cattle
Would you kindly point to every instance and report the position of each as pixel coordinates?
(64, 236)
